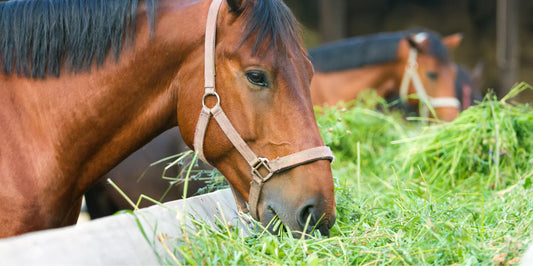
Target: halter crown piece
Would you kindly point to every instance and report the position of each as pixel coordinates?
(262, 169)
(411, 74)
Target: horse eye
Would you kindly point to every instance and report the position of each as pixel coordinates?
(257, 78)
(433, 75)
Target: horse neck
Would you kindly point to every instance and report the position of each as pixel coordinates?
(332, 87)
(88, 122)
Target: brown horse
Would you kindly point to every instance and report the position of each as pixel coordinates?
(85, 83)
(384, 61)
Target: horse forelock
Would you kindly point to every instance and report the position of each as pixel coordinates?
(273, 25)
(39, 38)
(437, 49)
(436, 46)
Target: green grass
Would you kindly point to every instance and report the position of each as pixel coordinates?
(456, 193)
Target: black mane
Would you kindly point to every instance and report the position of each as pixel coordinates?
(38, 38)
(274, 25)
(368, 50)
(356, 52)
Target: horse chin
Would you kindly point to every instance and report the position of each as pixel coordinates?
(447, 114)
(278, 224)
(270, 220)
(301, 205)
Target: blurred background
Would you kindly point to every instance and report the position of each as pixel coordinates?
(496, 33)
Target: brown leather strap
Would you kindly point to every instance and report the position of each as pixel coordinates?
(199, 133)
(302, 157)
(233, 135)
(209, 77)
(210, 43)
(261, 168)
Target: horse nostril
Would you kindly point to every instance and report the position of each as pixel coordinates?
(304, 214)
(310, 217)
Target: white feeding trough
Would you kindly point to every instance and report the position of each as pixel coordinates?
(118, 239)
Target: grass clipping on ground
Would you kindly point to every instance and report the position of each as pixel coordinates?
(408, 193)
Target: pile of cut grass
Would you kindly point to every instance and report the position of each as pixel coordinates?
(456, 193)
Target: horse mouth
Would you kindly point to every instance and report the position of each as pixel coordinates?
(274, 224)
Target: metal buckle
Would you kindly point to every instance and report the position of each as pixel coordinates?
(261, 162)
(211, 93)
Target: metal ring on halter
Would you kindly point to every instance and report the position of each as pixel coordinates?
(211, 93)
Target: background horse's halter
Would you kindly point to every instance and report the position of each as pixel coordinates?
(262, 169)
(411, 74)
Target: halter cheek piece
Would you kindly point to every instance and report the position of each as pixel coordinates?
(411, 74)
(262, 169)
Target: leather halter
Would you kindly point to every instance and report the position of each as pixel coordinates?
(262, 169)
(411, 74)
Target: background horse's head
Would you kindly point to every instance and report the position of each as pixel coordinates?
(435, 69)
(262, 79)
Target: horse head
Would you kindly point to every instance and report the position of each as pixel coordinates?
(432, 72)
(262, 85)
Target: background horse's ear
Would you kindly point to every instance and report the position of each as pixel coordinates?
(452, 41)
(235, 5)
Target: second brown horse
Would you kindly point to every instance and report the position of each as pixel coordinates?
(380, 61)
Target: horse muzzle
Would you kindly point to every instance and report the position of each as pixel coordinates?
(303, 204)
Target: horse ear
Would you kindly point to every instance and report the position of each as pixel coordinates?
(235, 5)
(452, 41)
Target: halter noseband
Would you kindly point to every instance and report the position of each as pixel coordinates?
(262, 169)
(411, 73)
